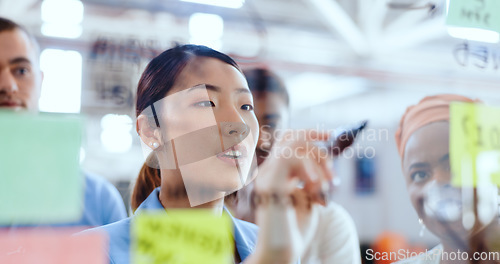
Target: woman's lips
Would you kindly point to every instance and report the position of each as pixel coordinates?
(9, 104)
(205, 143)
(234, 155)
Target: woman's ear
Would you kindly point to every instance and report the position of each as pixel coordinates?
(149, 135)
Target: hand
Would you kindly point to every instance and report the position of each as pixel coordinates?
(287, 215)
(296, 159)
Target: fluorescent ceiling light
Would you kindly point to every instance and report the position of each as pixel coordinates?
(62, 11)
(222, 3)
(474, 34)
(206, 29)
(60, 30)
(207, 26)
(62, 84)
(62, 18)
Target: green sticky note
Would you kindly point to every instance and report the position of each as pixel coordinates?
(40, 179)
(182, 237)
(474, 144)
(482, 14)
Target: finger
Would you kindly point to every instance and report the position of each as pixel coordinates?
(328, 187)
(279, 176)
(298, 197)
(309, 149)
(314, 173)
(314, 163)
(326, 165)
(323, 168)
(315, 189)
(303, 173)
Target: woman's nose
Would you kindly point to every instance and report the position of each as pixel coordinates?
(231, 122)
(442, 176)
(234, 129)
(233, 133)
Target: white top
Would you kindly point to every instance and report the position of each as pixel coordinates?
(336, 239)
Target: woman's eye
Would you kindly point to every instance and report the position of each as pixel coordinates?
(419, 176)
(271, 125)
(205, 104)
(247, 107)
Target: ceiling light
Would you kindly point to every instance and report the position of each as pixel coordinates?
(206, 29)
(222, 3)
(65, 11)
(62, 24)
(208, 26)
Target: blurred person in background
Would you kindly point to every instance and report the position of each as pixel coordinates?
(423, 145)
(335, 239)
(20, 84)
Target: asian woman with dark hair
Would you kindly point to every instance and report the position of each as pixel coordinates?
(195, 114)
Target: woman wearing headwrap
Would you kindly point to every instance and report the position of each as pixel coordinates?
(423, 145)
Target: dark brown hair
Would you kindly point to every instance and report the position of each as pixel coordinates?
(262, 80)
(148, 179)
(9, 25)
(158, 78)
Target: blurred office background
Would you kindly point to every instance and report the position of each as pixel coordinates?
(343, 61)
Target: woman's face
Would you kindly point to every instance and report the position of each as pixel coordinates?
(426, 166)
(208, 124)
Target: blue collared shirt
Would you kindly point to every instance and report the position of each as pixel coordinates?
(103, 205)
(245, 233)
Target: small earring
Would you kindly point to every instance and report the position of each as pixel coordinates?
(422, 229)
(155, 145)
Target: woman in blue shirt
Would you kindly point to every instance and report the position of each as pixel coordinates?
(195, 114)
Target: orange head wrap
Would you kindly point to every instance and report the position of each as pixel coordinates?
(428, 110)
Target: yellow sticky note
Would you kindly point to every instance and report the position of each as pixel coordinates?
(474, 144)
(188, 236)
(482, 14)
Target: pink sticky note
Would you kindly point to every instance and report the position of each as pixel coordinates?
(51, 246)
